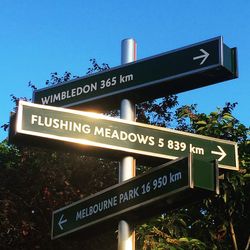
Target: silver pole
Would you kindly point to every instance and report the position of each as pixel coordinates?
(126, 234)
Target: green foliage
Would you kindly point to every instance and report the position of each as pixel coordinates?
(9, 155)
(220, 221)
(39, 182)
(34, 182)
(158, 112)
(220, 124)
(166, 232)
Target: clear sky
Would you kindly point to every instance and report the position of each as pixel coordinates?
(41, 37)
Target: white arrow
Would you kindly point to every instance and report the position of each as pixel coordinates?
(222, 153)
(62, 221)
(205, 55)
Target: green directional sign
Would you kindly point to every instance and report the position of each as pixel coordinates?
(98, 134)
(164, 187)
(187, 68)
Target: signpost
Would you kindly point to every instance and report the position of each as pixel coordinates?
(127, 166)
(176, 71)
(93, 132)
(167, 186)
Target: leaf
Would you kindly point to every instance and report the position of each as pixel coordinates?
(214, 113)
(247, 176)
(225, 198)
(200, 129)
(182, 222)
(227, 117)
(201, 123)
(184, 240)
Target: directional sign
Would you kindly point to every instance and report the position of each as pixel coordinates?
(169, 185)
(187, 68)
(98, 134)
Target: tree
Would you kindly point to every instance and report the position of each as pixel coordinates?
(218, 222)
(37, 181)
(42, 180)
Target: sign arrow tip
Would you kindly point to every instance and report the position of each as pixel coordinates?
(204, 56)
(62, 221)
(222, 153)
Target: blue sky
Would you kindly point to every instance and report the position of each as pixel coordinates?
(41, 37)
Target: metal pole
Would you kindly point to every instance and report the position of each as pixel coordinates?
(126, 233)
